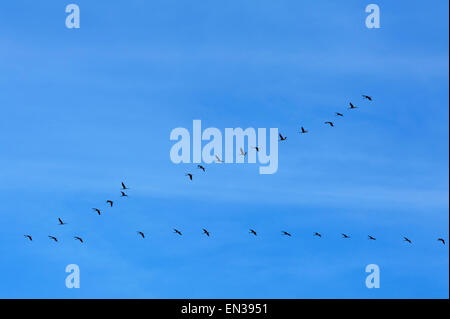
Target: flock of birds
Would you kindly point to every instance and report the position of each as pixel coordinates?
(282, 138)
(205, 231)
(124, 188)
(109, 202)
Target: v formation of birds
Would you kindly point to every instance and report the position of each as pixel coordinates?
(141, 234)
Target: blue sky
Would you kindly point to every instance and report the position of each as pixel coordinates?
(84, 109)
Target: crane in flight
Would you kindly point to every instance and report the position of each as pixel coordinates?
(352, 106)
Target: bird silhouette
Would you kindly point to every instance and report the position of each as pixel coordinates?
(201, 167)
(441, 240)
(352, 106)
(256, 148)
(141, 233)
(29, 237)
(78, 238)
(61, 222)
(99, 212)
(190, 175)
(345, 236)
(110, 202)
(371, 238)
(367, 97)
(303, 131)
(242, 152)
(206, 232)
(177, 232)
(252, 232)
(407, 240)
(330, 123)
(53, 237)
(124, 187)
(286, 233)
(122, 194)
(218, 159)
(282, 138)
(339, 114)
(318, 235)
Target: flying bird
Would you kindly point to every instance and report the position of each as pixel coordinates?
(242, 152)
(441, 240)
(201, 167)
(352, 106)
(407, 240)
(97, 210)
(367, 97)
(141, 233)
(286, 233)
(339, 114)
(303, 130)
(124, 187)
(61, 222)
(78, 238)
(190, 176)
(218, 159)
(29, 237)
(252, 232)
(318, 235)
(282, 138)
(256, 148)
(330, 123)
(371, 238)
(122, 194)
(345, 236)
(177, 232)
(206, 232)
(110, 202)
(53, 237)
